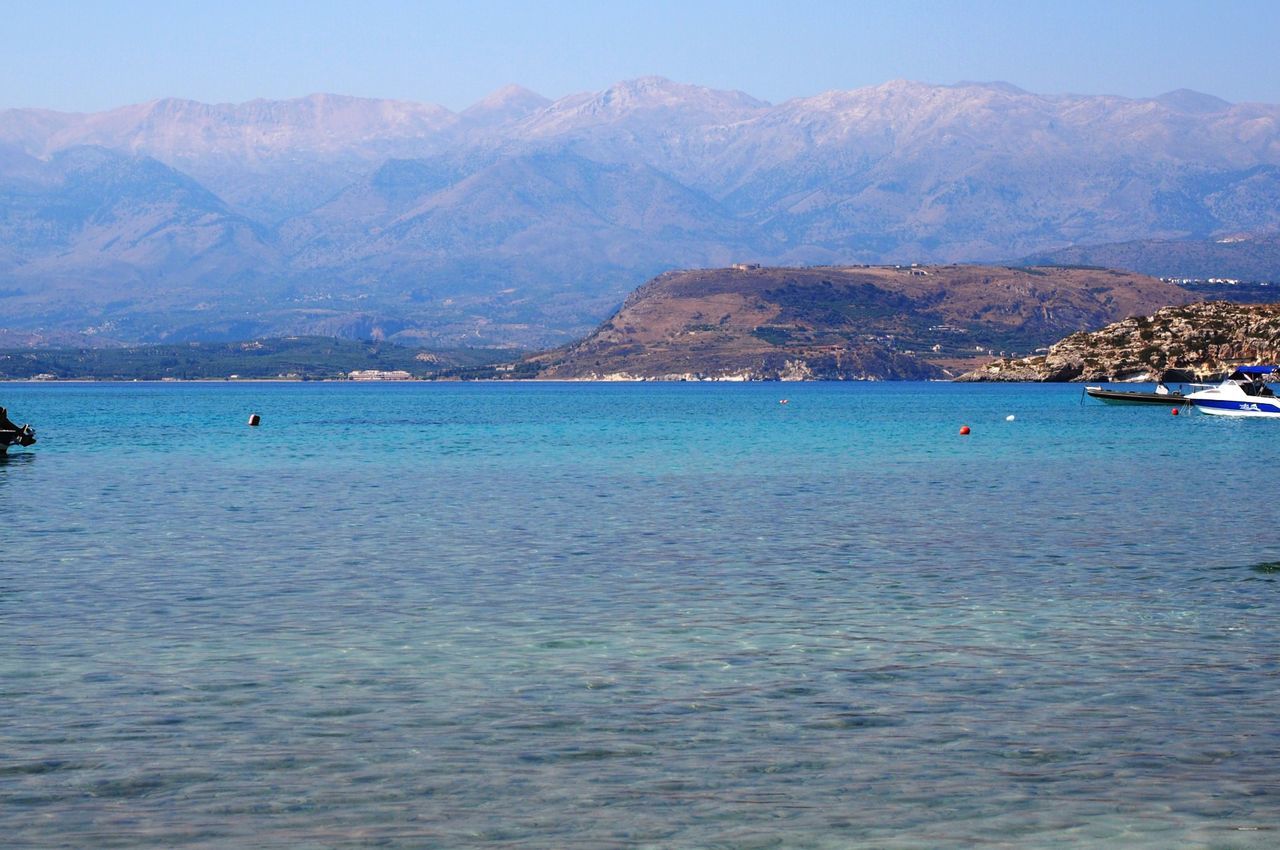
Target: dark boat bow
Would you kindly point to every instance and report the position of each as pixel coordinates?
(1135, 396)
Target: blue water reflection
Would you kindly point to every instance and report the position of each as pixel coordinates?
(558, 615)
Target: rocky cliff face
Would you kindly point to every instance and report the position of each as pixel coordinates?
(1205, 338)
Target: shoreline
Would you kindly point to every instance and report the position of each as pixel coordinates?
(615, 382)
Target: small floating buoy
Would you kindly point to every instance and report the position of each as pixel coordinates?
(964, 430)
(1175, 411)
(1009, 418)
(782, 401)
(254, 420)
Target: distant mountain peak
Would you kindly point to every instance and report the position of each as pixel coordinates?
(902, 85)
(660, 91)
(509, 103)
(647, 105)
(918, 88)
(1192, 102)
(652, 83)
(993, 85)
(513, 92)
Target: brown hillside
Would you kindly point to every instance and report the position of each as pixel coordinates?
(847, 323)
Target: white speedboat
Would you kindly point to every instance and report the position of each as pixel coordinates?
(1243, 393)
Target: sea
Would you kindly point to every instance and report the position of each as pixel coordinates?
(686, 615)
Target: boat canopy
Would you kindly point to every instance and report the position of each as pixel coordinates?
(1255, 370)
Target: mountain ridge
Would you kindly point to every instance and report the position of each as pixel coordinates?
(1248, 256)
(524, 220)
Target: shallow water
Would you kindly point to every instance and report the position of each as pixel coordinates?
(558, 615)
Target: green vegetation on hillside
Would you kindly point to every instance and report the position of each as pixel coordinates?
(305, 358)
(1206, 339)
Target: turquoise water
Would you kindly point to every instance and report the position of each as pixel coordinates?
(677, 616)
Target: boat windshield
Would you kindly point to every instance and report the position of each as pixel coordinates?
(1251, 384)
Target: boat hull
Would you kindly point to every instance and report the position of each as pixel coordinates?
(1243, 393)
(1234, 407)
(1134, 397)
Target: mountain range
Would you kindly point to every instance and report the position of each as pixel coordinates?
(525, 221)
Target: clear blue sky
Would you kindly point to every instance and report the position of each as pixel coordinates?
(92, 54)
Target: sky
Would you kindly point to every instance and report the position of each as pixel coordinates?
(92, 55)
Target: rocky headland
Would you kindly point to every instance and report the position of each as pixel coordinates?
(1204, 339)
(845, 323)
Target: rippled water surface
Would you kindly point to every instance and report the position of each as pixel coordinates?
(686, 616)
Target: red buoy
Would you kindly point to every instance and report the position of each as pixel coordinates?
(964, 430)
(1175, 411)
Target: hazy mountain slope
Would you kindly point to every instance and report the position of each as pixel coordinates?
(525, 228)
(926, 160)
(908, 171)
(269, 158)
(1244, 256)
(175, 129)
(92, 236)
(523, 219)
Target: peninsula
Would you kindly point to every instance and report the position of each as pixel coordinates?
(846, 323)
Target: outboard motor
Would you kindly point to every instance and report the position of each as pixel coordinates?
(13, 435)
